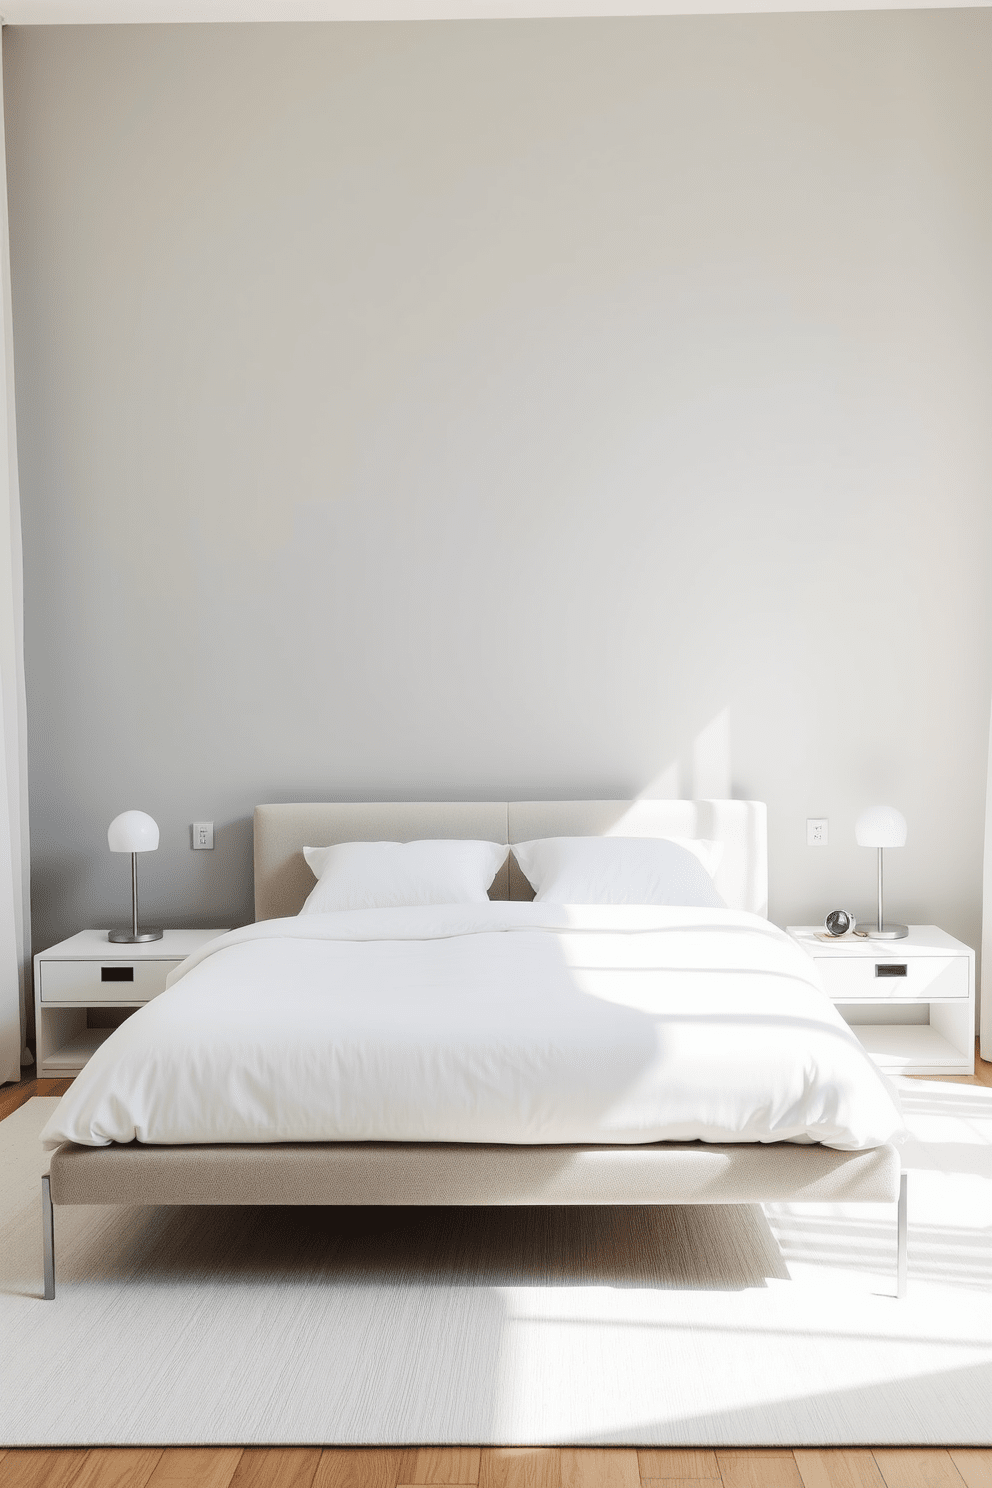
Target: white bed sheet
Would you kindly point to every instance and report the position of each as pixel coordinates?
(504, 1022)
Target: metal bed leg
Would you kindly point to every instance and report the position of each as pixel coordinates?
(48, 1236)
(902, 1257)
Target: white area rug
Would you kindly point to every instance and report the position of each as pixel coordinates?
(732, 1327)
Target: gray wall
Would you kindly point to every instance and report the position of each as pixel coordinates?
(505, 408)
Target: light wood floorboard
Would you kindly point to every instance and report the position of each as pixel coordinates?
(117, 1467)
(599, 1467)
(677, 1482)
(448, 1465)
(838, 1467)
(655, 1462)
(276, 1467)
(520, 1467)
(41, 1467)
(359, 1467)
(729, 1453)
(754, 1470)
(904, 1468)
(204, 1467)
(974, 1464)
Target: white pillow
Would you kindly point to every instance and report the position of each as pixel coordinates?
(616, 870)
(385, 875)
(709, 853)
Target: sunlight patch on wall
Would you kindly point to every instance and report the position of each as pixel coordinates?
(705, 767)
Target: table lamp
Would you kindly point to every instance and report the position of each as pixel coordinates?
(882, 826)
(133, 832)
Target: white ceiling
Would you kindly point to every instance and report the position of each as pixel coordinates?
(109, 12)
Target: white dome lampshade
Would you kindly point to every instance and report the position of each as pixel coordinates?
(133, 832)
(882, 826)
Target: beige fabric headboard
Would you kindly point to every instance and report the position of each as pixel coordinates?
(283, 880)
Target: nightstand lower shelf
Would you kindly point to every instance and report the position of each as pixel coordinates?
(73, 1054)
(896, 1047)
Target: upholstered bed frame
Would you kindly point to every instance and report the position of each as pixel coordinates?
(372, 1173)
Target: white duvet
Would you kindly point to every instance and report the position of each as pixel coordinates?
(520, 1023)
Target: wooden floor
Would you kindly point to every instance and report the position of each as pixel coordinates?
(486, 1467)
(492, 1467)
(12, 1096)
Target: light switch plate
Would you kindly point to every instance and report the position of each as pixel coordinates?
(203, 835)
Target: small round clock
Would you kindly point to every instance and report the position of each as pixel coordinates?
(839, 922)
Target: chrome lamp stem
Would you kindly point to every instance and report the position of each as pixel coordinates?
(881, 930)
(134, 936)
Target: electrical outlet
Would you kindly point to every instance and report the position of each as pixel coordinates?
(816, 831)
(203, 834)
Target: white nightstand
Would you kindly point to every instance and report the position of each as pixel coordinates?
(81, 981)
(911, 1002)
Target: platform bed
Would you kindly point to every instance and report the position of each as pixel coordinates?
(374, 1173)
(443, 1174)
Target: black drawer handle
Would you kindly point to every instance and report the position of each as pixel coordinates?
(890, 968)
(117, 973)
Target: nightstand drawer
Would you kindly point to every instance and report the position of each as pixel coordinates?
(849, 979)
(112, 980)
